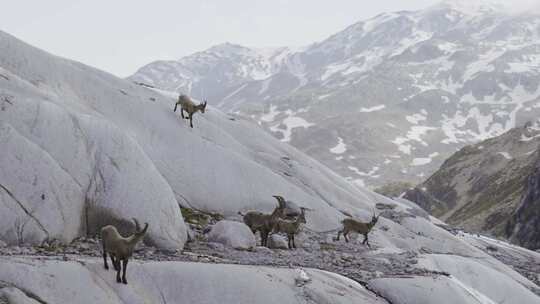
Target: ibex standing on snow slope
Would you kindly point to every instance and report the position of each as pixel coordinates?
(350, 224)
(186, 104)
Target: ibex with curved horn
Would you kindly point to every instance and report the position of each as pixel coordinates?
(120, 248)
(351, 225)
(291, 228)
(186, 104)
(264, 223)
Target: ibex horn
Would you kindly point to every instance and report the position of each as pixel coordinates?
(137, 226)
(280, 199)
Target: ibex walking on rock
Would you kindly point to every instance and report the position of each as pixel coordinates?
(351, 225)
(120, 248)
(186, 104)
(264, 223)
(291, 228)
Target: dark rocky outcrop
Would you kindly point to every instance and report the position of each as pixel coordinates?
(491, 187)
(524, 226)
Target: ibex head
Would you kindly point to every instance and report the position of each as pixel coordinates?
(302, 216)
(281, 201)
(202, 106)
(374, 219)
(138, 230)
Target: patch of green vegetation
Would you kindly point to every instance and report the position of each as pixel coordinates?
(53, 245)
(496, 190)
(327, 246)
(201, 218)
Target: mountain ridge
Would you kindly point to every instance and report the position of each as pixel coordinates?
(409, 88)
(84, 149)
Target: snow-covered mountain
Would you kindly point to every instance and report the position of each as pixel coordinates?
(82, 148)
(385, 100)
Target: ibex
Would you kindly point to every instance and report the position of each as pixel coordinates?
(350, 224)
(186, 104)
(291, 228)
(120, 248)
(264, 223)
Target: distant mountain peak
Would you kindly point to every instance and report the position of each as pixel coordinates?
(227, 49)
(475, 7)
(432, 81)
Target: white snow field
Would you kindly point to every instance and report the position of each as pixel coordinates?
(80, 148)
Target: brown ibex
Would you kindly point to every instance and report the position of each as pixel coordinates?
(264, 223)
(186, 104)
(351, 225)
(291, 228)
(120, 248)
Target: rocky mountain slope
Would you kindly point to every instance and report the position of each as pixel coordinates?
(489, 187)
(524, 226)
(385, 100)
(82, 148)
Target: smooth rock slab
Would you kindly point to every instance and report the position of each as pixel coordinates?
(86, 282)
(498, 282)
(440, 290)
(233, 234)
(14, 296)
(276, 241)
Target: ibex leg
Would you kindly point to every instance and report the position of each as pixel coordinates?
(263, 239)
(366, 241)
(105, 259)
(114, 261)
(124, 271)
(118, 272)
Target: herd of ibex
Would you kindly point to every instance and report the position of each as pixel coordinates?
(276, 223)
(120, 248)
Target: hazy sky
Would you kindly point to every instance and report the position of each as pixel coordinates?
(120, 36)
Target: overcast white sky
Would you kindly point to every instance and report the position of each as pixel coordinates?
(120, 36)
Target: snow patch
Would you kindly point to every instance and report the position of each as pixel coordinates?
(416, 118)
(421, 161)
(527, 138)
(324, 96)
(372, 109)
(483, 64)
(417, 37)
(371, 173)
(291, 122)
(271, 115)
(414, 134)
(340, 148)
(505, 155)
